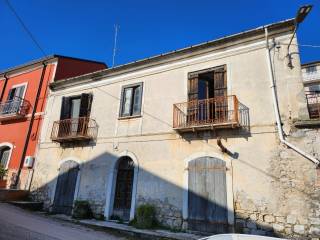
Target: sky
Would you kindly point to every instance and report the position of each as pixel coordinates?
(85, 28)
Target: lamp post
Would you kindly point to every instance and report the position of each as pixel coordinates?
(300, 16)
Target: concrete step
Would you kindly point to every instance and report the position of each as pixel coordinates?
(34, 206)
(7, 195)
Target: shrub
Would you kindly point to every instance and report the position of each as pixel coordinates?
(145, 217)
(81, 210)
(3, 172)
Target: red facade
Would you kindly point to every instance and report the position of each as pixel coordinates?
(23, 89)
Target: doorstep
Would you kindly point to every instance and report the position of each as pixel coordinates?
(143, 233)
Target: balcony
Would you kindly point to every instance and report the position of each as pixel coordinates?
(206, 114)
(74, 129)
(313, 101)
(14, 109)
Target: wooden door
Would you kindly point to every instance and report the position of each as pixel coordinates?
(207, 196)
(124, 184)
(65, 189)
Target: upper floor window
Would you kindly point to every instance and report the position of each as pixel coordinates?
(76, 106)
(311, 69)
(16, 93)
(131, 97)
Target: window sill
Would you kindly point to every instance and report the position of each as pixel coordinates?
(129, 117)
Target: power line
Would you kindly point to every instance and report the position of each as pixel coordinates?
(25, 27)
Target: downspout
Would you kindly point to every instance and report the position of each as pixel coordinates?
(276, 106)
(34, 110)
(4, 86)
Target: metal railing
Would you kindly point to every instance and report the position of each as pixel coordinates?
(313, 101)
(15, 107)
(218, 111)
(74, 129)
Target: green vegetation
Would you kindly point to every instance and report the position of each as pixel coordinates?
(3, 172)
(145, 217)
(82, 210)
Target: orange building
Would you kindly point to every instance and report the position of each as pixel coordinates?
(23, 94)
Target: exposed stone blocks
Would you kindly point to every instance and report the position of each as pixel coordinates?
(295, 192)
(167, 214)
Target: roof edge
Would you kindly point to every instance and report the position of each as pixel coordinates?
(44, 59)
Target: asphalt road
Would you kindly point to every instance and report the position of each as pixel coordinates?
(18, 224)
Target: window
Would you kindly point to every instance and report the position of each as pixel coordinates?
(76, 106)
(314, 88)
(16, 93)
(131, 100)
(14, 100)
(311, 69)
(4, 156)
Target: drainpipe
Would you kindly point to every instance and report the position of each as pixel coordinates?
(34, 109)
(276, 107)
(4, 86)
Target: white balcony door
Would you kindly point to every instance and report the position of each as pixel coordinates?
(14, 99)
(75, 113)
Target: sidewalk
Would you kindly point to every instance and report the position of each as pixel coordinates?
(123, 228)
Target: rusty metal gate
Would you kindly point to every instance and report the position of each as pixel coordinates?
(207, 196)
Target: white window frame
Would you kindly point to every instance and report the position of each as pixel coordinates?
(7, 144)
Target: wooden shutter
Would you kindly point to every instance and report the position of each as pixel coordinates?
(193, 88)
(85, 106)
(220, 107)
(136, 108)
(220, 82)
(65, 108)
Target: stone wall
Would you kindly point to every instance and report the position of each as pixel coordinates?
(296, 211)
(167, 214)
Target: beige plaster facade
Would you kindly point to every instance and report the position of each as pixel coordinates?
(270, 188)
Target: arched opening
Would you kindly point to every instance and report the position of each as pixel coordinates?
(123, 188)
(66, 187)
(207, 195)
(5, 152)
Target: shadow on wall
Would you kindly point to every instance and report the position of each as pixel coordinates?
(115, 185)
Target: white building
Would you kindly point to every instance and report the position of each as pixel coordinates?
(193, 132)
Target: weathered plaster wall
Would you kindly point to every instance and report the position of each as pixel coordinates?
(271, 188)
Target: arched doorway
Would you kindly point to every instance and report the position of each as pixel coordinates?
(65, 188)
(123, 189)
(207, 195)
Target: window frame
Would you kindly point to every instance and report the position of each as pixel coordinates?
(10, 146)
(123, 88)
(25, 84)
(311, 69)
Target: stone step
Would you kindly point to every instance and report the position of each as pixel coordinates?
(34, 206)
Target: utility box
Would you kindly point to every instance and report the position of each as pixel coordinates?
(28, 162)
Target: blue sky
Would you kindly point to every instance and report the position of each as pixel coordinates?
(85, 29)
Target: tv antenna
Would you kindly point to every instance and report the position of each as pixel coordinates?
(116, 28)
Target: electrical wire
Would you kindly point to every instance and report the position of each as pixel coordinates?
(24, 26)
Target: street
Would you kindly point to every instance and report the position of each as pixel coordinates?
(18, 224)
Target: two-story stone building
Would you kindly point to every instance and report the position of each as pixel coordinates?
(208, 134)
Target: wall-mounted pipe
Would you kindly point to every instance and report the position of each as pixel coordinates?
(4, 86)
(34, 109)
(276, 106)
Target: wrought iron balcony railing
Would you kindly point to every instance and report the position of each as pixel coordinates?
(218, 112)
(13, 109)
(74, 129)
(313, 101)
